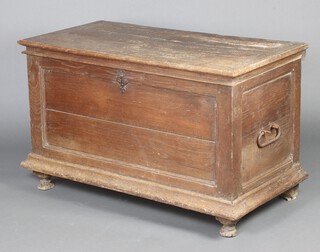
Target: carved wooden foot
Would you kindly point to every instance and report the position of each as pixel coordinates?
(228, 228)
(291, 194)
(45, 181)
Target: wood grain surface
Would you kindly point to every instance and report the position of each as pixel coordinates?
(173, 116)
(269, 103)
(190, 51)
(182, 155)
(167, 110)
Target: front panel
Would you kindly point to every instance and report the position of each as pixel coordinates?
(161, 131)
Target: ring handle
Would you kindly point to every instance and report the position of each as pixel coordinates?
(267, 137)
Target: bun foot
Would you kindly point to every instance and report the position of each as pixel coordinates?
(291, 194)
(228, 228)
(45, 181)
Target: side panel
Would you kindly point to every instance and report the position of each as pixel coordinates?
(265, 107)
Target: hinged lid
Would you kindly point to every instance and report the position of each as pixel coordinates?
(192, 51)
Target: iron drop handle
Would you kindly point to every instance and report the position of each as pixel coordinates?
(267, 137)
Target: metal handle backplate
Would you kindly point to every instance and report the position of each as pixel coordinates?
(267, 137)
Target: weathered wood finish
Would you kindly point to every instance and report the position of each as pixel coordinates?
(174, 49)
(171, 116)
(142, 105)
(155, 149)
(269, 102)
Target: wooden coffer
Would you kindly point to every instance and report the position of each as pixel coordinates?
(200, 121)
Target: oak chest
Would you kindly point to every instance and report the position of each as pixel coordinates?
(200, 121)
